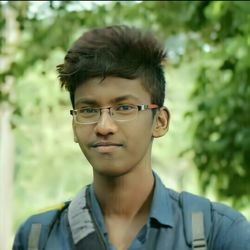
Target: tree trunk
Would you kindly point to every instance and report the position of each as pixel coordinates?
(6, 170)
(10, 33)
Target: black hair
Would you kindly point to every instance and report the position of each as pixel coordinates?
(119, 51)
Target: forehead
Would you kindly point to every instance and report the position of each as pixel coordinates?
(111, 90)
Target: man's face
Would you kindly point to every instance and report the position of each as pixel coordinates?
(114, 148)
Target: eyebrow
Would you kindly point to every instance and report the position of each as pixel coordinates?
(124, 98)
(115, 100)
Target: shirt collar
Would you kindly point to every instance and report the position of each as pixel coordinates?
(96, 209)
(161, 209)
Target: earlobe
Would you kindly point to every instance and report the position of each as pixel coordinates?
(161, 123)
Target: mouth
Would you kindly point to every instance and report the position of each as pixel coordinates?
(106, 147)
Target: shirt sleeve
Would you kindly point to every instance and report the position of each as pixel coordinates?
(230, 229)
(237, 236)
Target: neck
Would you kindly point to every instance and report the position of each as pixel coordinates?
(125, 196)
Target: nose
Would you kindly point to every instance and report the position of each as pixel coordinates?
(105, 124)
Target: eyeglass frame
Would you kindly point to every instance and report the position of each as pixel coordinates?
(141, 107)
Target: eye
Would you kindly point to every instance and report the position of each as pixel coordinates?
(88, 110)
(125, 107)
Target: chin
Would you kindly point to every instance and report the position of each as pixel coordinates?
(110, 171)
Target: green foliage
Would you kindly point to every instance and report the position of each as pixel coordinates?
(208, 43)
(222, 94)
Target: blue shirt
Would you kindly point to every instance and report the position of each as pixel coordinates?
(165, 222)
(80, 223)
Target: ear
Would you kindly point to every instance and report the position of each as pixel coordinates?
(161, 123)
(74, 132)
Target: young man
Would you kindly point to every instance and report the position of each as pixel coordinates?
(116, 83)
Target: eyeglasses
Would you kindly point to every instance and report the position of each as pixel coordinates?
(121, 113)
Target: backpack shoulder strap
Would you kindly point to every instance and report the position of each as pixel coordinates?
(33, 234)
(199, 240)
(197, 219)
(79, 217)
(84, 228)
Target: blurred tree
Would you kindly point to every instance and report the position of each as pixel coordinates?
(222, 92)
(7, 147)
(210, 36)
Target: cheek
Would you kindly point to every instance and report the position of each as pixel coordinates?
(83, 135)
(140, 136)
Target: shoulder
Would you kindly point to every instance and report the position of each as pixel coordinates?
(231, 229)
(47, 215)
(43, 218)
(220, 211)
(225, 227)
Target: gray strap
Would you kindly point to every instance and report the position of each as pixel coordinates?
(80, 221)
(198, 237)
(34, 236)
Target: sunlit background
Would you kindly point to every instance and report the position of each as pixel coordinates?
(207, 148)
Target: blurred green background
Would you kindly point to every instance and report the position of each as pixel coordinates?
(207, 149)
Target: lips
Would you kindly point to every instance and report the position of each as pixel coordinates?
(106, 146)
(103, 144)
